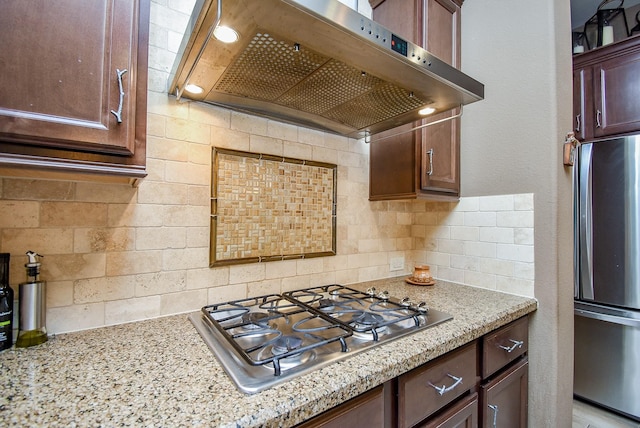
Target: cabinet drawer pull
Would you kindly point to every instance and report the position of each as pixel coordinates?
(442, 389)
(118, 114)
(430, 153)
(598, 117)
(578, 122)
(494, 407)
(516, 344)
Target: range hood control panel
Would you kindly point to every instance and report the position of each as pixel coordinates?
(399, 45)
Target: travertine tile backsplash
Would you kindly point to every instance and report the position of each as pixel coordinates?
(115, 254)
(482, 241)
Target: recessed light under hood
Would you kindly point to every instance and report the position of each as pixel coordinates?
(314, 63)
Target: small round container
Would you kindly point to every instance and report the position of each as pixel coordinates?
(422, 273)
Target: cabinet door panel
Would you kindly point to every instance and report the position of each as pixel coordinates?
(402, 17)
(463, 414)
(504, 399)
(366, 410)
(582, 105)
(441, 143)
(62, 68)
(617, 92)
(392, 173)
(442, 30)
(440, 160)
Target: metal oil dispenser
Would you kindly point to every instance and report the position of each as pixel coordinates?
(32, 300)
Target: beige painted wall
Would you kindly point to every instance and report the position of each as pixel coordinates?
(511, 143)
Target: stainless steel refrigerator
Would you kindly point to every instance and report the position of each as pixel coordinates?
(607, 272)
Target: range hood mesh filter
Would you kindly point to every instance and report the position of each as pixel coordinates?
(271, 69)
(385, 101)
(346, 83)
(267, 68)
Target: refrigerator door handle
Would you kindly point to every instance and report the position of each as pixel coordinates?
(615, 319)
(576, 222)
(584, 216)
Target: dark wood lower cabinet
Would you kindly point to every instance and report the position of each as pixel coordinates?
(504, 399)
(481, 384)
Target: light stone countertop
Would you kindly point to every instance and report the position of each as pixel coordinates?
(160, 373)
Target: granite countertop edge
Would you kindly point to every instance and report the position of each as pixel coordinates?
(159, 372)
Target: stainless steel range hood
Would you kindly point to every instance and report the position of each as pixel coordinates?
(313, 63)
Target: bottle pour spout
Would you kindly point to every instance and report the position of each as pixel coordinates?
(33, 256)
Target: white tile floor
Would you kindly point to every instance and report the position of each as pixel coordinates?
(587, 416)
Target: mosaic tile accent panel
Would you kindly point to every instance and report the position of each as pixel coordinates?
(266, 208)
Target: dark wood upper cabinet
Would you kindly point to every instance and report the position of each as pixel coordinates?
(424, 163)
(617, 94)
(74, 92)
(606, 90)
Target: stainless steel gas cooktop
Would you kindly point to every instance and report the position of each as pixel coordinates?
(263, 341)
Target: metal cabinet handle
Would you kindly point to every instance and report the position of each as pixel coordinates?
(430, 153)
(442, 389)
(118, 114)
(494, 407)
(516, 344)
(598, 117)
(578, 122)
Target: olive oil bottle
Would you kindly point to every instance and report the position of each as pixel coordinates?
(6, 304)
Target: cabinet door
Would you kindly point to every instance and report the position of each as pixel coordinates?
(366, 410)
(59, 68)
(582, 103)
(617, 95)
(463, 414)
(440, 169)
(504, 399)
(392, 166)
(440, 159)
(403, 17)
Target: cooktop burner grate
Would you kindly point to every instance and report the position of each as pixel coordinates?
(267, 330)
(366, 312)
